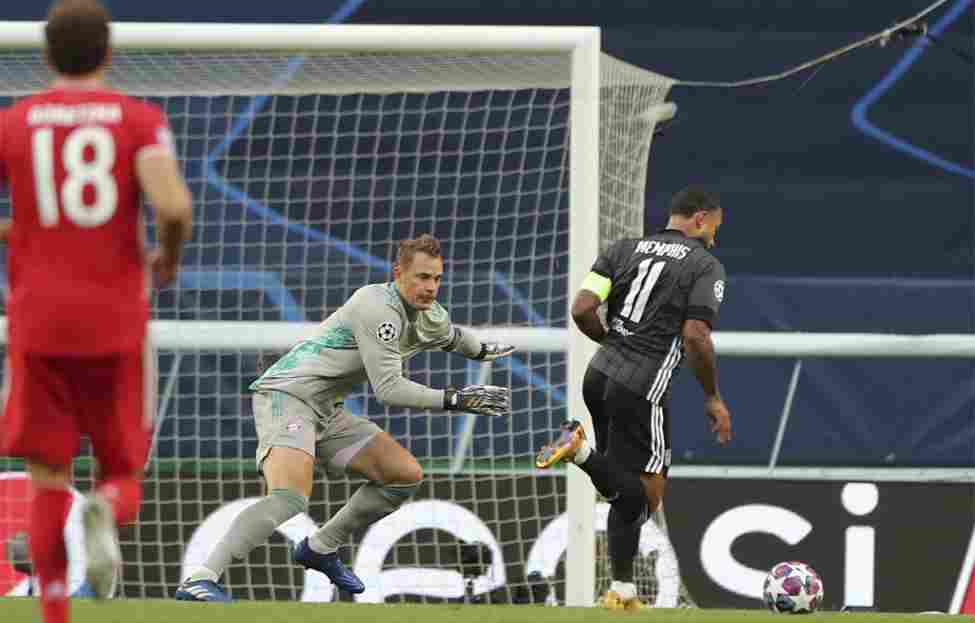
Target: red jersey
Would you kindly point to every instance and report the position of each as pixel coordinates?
(76, 261)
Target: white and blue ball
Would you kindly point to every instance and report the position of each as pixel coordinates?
(793, 588)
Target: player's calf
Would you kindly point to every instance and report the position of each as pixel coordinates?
(370, 503)
(124, 496)
(253, 526)
(623, 540)
(49, 512)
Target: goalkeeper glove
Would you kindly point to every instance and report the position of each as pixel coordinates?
(481, 399)
(493, 350)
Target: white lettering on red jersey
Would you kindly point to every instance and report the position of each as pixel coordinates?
(76, 259)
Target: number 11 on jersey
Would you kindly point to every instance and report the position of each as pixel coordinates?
(639, 294)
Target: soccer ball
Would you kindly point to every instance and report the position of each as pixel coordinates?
(793, 588)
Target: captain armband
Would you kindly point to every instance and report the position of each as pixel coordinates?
(597, 284)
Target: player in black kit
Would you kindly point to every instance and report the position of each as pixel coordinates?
(663, 293)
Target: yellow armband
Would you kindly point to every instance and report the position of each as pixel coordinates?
(598, 285)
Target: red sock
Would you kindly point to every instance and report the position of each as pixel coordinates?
(125, 496)
(968, 605)
(49, 513)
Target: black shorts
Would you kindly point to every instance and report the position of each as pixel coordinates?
(629, 428)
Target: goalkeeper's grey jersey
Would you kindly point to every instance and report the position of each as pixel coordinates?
(367, 339)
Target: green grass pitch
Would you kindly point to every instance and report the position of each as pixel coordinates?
(22, 610)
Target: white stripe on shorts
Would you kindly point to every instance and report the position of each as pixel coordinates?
(655, 463)
(657, 391)
(660, 381)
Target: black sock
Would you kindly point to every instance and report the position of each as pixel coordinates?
(623, 538)
(620, 487)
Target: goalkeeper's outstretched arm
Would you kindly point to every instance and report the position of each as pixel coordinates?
(465, 343)
(377, 329)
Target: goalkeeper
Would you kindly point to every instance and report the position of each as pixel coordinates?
(300, 417)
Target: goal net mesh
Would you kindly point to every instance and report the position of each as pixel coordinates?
(307, 169)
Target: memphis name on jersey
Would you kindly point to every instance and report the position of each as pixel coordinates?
(674, 250)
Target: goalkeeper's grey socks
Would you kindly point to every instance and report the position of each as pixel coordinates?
(253, 526)
(623, 539)
(620, 487)
(370, 503)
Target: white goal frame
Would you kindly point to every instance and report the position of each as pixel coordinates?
(582, 43)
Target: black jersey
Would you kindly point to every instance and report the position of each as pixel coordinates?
(656, 284)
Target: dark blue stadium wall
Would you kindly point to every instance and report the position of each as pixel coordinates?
(827, 228)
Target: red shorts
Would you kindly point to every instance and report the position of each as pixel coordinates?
(51, 401)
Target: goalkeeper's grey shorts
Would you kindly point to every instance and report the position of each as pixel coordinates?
(284, 421)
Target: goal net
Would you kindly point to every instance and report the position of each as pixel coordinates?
(308, 165)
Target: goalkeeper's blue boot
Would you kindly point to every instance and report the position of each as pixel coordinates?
(329, 564)
(201, 590)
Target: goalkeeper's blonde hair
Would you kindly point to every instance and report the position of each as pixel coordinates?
(410, 247)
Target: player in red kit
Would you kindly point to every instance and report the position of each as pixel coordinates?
(76, 159)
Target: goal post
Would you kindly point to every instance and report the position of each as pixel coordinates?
(261, 336)
(311, 150)
(276, 336)
(584, 216)
(181, 37)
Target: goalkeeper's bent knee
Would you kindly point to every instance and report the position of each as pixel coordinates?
(370, 503)
(374, 501)
(290, 501)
